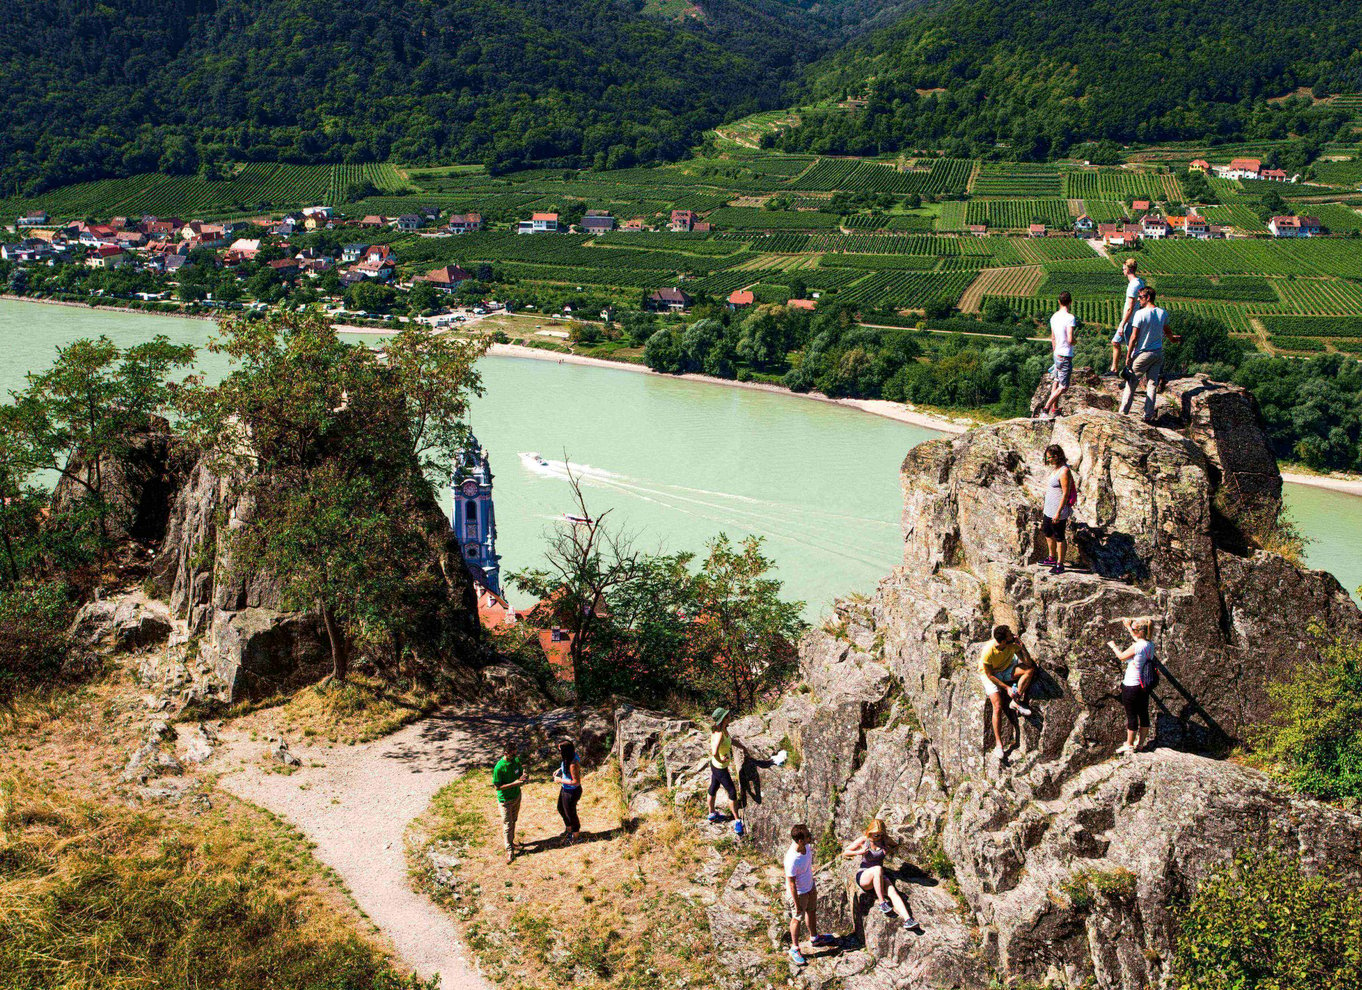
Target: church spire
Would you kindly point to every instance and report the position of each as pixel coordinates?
(473, 517)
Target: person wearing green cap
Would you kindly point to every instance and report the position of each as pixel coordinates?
(720, 768)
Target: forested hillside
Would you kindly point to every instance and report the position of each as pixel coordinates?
(113, 87)
(1043, 76)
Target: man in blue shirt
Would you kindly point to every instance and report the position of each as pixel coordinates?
(1144, 353)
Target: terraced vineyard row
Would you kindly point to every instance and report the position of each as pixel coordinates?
(1122, 185)
(750, 218)
(1312, 326)
(1019, 180)
(898, 244)
(907, 290)
(1017, 214)
(878, 262)
(1102, 311)
(1320, 296)
(852, 175)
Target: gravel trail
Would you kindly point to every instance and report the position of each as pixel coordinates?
(356, 806)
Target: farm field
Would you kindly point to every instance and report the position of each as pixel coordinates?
(843, 228)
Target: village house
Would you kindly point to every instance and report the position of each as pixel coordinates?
(1115, 235)
(377, 262)
(287, 268)
(740, 299)
(1140, 207)
(350, 253)
(701, 227)
(671, 300)
(1083, 223)
(244, 249)
(448, 278)
(1295, 227)
(809, 304)
(1036, 230)
(978, 229)
(130, 238)
(1197, 227)
(321, 212)
(107, 256)
(212, 235)
(682, 221)
(409, 222)
(539, 223)
(597, 222)
(1154, 227)
(160, 227)
(464, 223)
(1199, 165)
(1273, 175)
(33, 219)
(1240, 168)
(373, 221)
(633, 226)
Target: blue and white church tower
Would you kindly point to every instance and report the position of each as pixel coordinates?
(473, 518)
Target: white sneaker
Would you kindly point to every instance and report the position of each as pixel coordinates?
(1125, 749)
(999, 752)
(1019, 708)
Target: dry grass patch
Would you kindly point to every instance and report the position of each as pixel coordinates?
(616, 910)
(97, 896)
(359, 710)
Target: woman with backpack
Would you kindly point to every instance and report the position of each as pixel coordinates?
(1141, 676)
(1061, 494)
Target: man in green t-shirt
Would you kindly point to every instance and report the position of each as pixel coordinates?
(507, 778)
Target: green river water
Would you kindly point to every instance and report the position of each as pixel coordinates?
(677, 462)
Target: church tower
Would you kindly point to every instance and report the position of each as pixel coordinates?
(473, 518)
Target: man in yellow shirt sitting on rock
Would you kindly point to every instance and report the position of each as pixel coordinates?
(1005, 671)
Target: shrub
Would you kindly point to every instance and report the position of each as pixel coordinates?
(1262, 924)
(1315, 735)
(34, 646)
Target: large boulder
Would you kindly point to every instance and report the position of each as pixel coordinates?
(129, 621)
(238, 614)
(138, 485)
(1066, 861)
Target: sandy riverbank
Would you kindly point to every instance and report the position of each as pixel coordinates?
(876, 407)
(105, 309)
(1345, 484)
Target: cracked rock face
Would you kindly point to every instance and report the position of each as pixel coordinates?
(1062, 866)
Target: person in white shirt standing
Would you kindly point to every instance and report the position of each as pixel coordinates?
(1144, 354)
(1062, 327)
(1133, 286)
(802, 893)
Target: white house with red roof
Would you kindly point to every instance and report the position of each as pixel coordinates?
(1295, 227)
(448, 277)
(539, 223)
(683, 221)
(1240, 168)
(1154, 227)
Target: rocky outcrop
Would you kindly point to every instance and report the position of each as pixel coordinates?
(1061, 864)
(137, 485)
(237, 614)
(126, 622)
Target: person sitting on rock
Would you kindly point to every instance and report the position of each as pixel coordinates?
(872, 848)
(720, 773)
(801, 891)
(1139, 679)
(1061, 493)
(1006, 671)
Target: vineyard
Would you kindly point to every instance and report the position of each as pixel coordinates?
(1321, 297)
(1019, 180)
(1312, 326)
(1017, 214)
(907, 290)
(751, 218)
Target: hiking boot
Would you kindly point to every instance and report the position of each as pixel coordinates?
(1049, 562)
(796, 956)
(738, 828)
(1111, 374)
(1057, 569)
(910, 922)
(821, 940)
(713, 817)
(886, 907)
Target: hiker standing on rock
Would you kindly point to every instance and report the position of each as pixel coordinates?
(1061, 494)
(1062, 326)
(1144, 356)
(569, 777)
(872, 849)
(1005, 671)
(802, 893)
(1141, 676)
(720, 768)
(1134, 284)
(507, 777)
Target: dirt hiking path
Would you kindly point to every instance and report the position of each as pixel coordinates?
(355, 803)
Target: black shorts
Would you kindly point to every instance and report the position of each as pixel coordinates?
(1135, 700)
(1053, 530)
(721, 778)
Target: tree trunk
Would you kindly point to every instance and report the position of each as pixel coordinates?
(340, 660)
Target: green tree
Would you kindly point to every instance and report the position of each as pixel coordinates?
(94, 400)
(1315, 734)
(1263, 924)
(744, 635)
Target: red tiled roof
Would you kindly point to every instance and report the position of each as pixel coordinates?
(741, 297)
(545, 216)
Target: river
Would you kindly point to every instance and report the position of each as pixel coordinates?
(676, 462)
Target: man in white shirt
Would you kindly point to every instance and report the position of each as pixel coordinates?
(1062, 326)
(1118, 343)
(802, 894)
(1144, 354)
